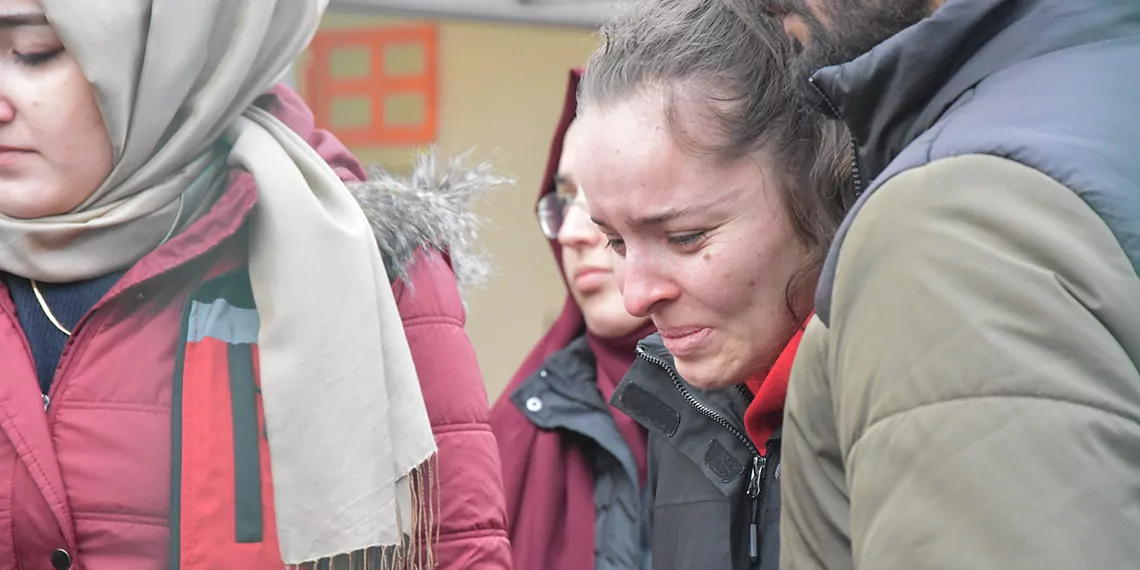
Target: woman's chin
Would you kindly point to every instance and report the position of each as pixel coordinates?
(611, 330)
(707, 373)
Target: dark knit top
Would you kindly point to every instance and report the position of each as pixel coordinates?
(69, 302)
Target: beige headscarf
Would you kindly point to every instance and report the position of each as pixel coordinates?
(345, 416)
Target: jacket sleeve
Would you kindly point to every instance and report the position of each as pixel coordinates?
(471, 519)
(986, 335)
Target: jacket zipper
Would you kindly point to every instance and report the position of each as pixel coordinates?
(856, 169)
(745, 393)
(696, 404)
(756, 479)
(756, 485)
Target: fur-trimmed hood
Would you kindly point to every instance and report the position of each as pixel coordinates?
(431, 208)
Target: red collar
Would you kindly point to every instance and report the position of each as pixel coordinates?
(766, 412)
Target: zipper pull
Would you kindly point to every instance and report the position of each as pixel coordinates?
(753, 539)
(46, 402)
(758, 464)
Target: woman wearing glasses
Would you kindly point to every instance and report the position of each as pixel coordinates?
(574, 467)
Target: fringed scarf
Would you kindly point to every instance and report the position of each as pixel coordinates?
(349, 436)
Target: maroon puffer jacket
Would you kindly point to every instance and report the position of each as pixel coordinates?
(91, 474)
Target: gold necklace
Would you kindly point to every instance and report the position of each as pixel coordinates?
(43, 302)
(46, 309)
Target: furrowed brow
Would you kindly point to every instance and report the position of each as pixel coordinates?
(666, 216)
(659, 218)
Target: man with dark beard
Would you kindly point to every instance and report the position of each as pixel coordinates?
(969, 395)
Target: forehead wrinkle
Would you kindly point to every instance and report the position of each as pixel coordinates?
(700, 197)
(706, 194)
(650, 161)
(665, 216)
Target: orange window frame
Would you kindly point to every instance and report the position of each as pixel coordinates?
(322, 89)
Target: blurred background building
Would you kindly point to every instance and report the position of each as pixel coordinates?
(391, 77)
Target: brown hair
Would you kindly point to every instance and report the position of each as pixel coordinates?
(702, 51)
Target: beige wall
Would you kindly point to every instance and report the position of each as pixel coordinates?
(502, 87)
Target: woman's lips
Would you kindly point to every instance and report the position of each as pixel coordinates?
(11, 156)
(685, 341)
(591, 280)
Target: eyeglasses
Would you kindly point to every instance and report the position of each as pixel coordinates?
(554, 207)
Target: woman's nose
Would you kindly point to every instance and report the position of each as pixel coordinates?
(7, 110)
(578, 230)
(644, 284)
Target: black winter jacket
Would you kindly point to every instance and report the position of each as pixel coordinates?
(715, 498)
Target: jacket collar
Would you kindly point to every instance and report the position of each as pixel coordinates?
(651, 394)
(729, 403)
(568, 375)
(564, 394)
(899, 89)
(765, 416)
(223, 221)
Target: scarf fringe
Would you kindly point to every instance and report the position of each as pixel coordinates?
(417, 549)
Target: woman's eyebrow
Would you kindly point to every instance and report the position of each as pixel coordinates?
(564, 181)
(668, 215)
(20, 20)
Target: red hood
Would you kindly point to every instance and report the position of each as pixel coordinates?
(570, 323)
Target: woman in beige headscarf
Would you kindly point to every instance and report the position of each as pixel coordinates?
(182, 270)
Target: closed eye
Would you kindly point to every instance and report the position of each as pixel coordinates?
(687, 240)
(35, 59)
(616, 244)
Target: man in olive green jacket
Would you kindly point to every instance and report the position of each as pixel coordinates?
(969, 395)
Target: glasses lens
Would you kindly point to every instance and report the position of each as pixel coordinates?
(551, 213)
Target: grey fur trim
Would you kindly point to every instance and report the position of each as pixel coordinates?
(433, 208)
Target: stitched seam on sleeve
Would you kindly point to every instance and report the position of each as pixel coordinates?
(427, 320)
(460, 535)
(461, 427)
